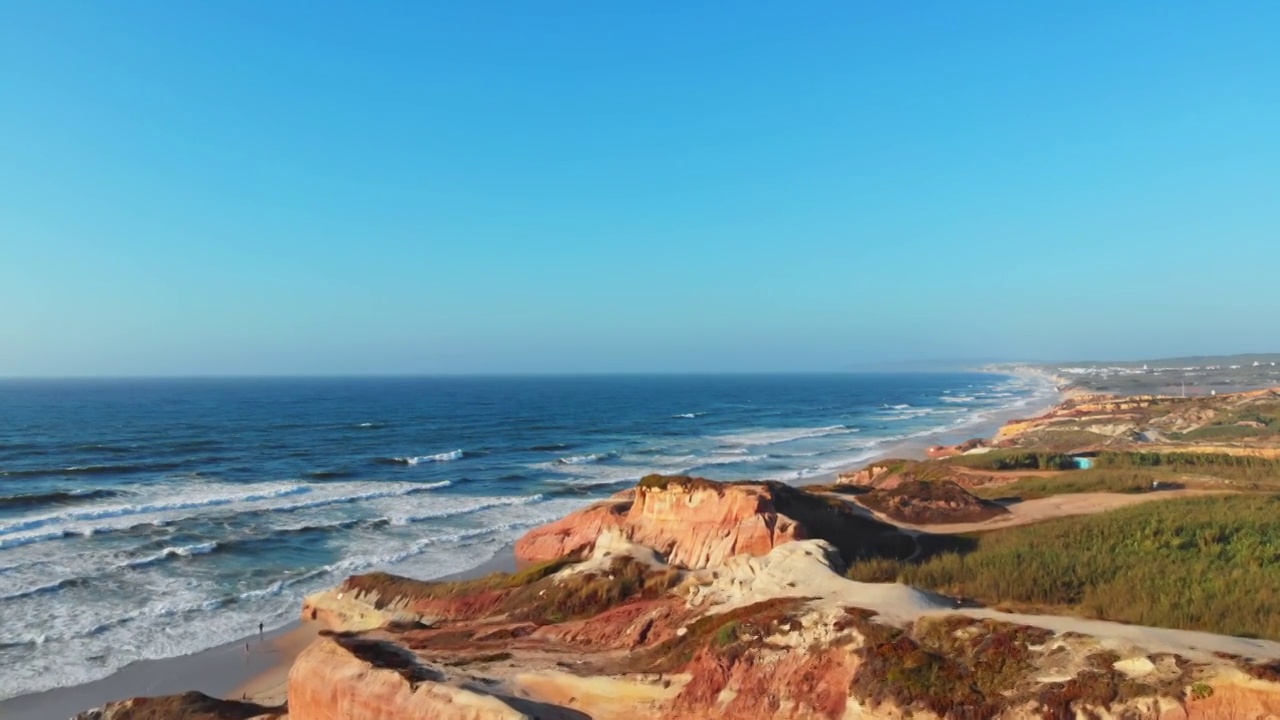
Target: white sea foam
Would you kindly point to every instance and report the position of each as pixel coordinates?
(171, 552)
(462, 506)
(689, 416)
(832, 464)
(159, 512)
(584, 459)
(438, 457)
(180, 615)
(119, 510)
(757, 438)
(911, 414)
(957, 398)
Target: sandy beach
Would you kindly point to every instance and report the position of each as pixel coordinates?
(915, 448)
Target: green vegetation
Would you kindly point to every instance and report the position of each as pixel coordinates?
(1234, 467)
(531, 595)
(1197, 563)
(391, 588)
(925, 502)
(1261, 420)
(728, 633)
(587, 594)
(1064, 439)
(959, 667)
(1081, 481)
(1015, 460)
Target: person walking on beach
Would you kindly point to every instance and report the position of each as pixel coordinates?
(259, 632)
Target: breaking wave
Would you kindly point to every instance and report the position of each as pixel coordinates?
(57, 497)
(438, 457)
(585, 459)
(91, 470)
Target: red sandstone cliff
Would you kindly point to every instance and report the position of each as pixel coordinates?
(696, 524)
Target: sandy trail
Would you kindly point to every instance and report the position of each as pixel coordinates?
(806, 568)
(1039, 510)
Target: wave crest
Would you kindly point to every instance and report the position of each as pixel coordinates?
(438, 457)
(585, 459)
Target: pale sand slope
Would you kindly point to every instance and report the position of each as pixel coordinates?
(1039, 510)
(805, 569)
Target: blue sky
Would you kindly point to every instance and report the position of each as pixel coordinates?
(263, 188)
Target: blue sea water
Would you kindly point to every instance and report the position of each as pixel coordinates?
(153, 518)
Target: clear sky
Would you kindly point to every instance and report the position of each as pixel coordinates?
(312, 187)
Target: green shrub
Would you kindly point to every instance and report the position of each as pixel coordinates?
(1208, 563)
(1015, 460)
(1113, 481)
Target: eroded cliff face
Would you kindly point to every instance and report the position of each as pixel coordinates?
(347, 678)
(1160, 423)
(695, 523)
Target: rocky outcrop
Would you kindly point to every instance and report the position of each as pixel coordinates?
(360, 679)
(187, 706)
(919, 502)
(695, 523)
(1136, 421)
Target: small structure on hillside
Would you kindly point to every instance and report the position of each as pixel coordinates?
(1084, 460)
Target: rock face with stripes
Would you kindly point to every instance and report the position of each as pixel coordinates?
(370, 679)
(695, 523)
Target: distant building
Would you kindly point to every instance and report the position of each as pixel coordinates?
(1084, 460)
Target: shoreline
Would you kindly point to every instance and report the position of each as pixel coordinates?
(914, 448)
(260, 673)
(223, 671)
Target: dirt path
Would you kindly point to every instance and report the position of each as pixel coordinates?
(1033, 511)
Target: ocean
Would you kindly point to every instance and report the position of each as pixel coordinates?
(144, 519)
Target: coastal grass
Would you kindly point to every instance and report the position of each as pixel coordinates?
(1064, 439)
(727, 632)
(1252, 421)
(590, 593)
(1207, 563)
(1001, 460)
(924, 502)
(535, 594)
(1082, 481)
(1245, 468)
(392, 588)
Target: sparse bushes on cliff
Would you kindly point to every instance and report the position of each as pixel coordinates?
(531, 594)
